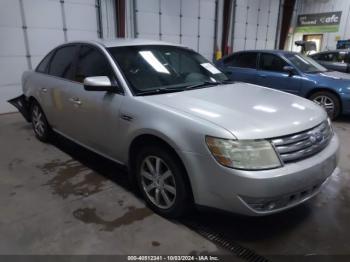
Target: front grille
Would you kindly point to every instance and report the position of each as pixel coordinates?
(304, 144)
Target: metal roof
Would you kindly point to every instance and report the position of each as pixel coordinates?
(131, 42)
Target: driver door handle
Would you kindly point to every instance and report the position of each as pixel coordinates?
(75, 100)
(43, 90)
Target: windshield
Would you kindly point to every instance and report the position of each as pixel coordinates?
(305, 63)
(159, 67)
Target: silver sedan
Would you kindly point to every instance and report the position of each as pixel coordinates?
(187, 134)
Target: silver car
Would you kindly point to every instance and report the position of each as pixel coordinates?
(187, 134)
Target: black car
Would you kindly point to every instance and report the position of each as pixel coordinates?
(337, 60)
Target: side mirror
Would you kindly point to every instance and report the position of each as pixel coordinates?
(289, 70)
(100, 83)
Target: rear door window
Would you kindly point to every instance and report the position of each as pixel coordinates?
(271, 62)
(243, 60)
(342, 57)
(329, 57)
(347, 58)
(62, 64)
(316, 57)
(321, 57)
(337, 57)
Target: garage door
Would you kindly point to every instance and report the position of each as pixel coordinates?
(188, 22)
(30, 28)
(255, 24)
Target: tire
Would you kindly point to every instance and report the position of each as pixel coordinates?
(40, 125)
(173, 184)
(329, 101)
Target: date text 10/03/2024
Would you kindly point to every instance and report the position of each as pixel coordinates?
(173, 258)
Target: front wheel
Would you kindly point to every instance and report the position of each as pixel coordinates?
(40, 125)
(330, 102)
(161, 179)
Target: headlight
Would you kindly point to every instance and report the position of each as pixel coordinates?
(330, 125)
(243, 154)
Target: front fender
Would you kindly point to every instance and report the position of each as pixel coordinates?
(183, 132)
(148, 131)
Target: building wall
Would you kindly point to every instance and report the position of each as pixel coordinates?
(319, 6)
(30, 28)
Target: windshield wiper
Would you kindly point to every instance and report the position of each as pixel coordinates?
(226, 82)
(202, 84)
(180, 89)
(209, 83)
(159, 91)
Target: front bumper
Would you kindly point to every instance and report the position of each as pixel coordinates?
(260, 192)
(345, 99)
(22, 105)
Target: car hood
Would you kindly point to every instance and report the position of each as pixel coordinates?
(335, 75)
(333, 79)
(247, 111)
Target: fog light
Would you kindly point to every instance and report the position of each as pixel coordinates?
(271, 206)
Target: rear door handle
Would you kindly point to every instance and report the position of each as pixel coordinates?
(43, 90)
(75, 100)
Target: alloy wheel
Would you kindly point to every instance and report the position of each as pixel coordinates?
(38, 121)
(326, 102)
(158, 182)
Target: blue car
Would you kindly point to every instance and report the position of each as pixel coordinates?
(291, 72)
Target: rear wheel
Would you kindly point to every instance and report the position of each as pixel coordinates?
(161, 180)
(329, 101)
(40, 125)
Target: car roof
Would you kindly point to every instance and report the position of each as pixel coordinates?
(280, 52)
(269, 51)
(335, 50)
(124, 42)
